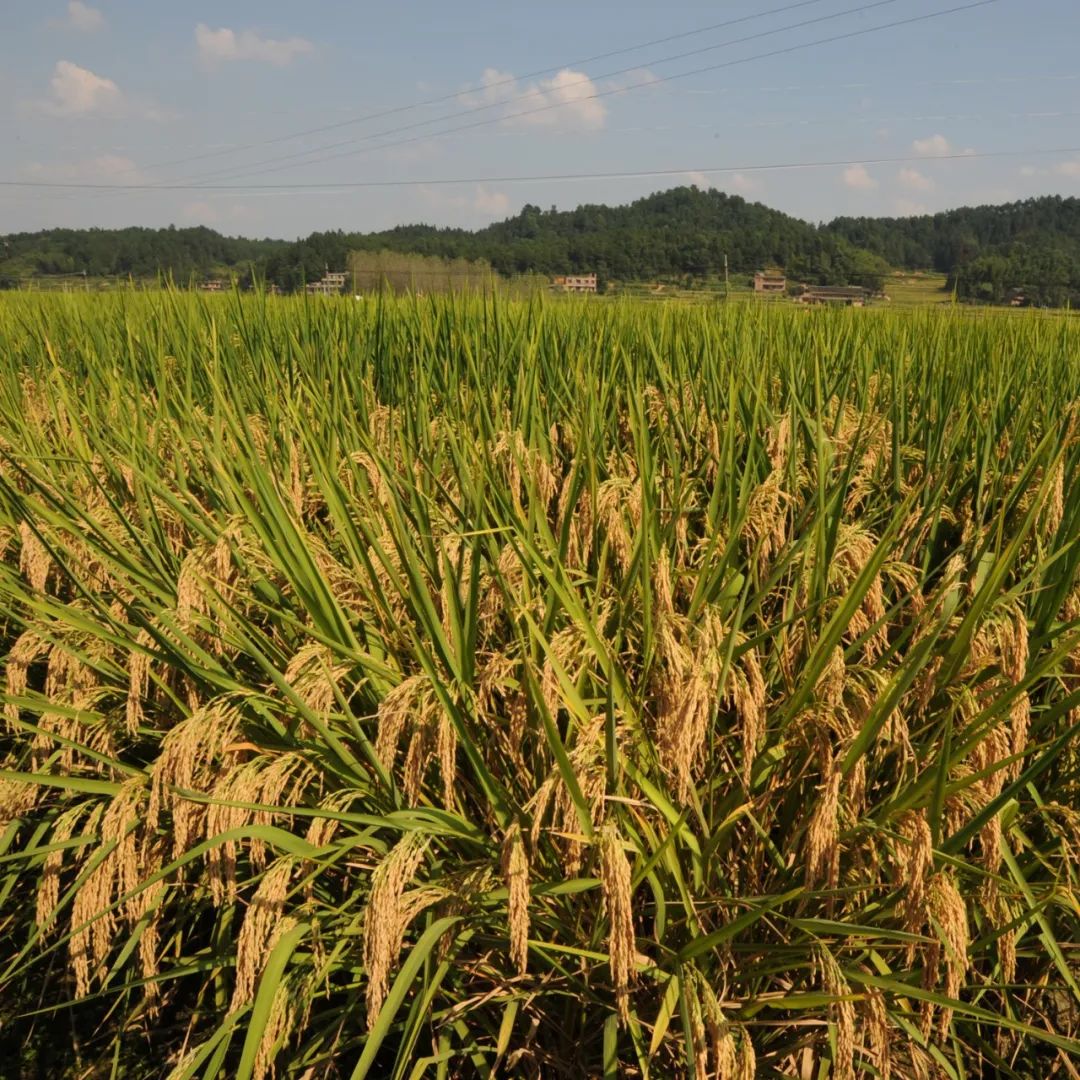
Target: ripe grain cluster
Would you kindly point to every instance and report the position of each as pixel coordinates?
(458, 687)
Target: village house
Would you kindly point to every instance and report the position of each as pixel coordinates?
(332, 284)
(844, 295)
(582, 283)
(770, 282)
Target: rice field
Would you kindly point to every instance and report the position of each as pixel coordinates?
(463, 687)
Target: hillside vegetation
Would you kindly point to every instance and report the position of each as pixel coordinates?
(455, 688)
(681, 234)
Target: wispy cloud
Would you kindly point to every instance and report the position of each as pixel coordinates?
(907, 208)
(78, 92)
(567, 100)
(80, 17)
(743, 184)
(938, 146)
(932, 146)
(480, 201)
(202, 212)
(1068, 168)
(857, 178)
(105, 168)
(914, 180)
(224, 46)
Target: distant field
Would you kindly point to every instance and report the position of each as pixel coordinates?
(916, 289)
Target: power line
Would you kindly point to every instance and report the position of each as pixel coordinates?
(489, 86)
(488, 107)
(787, 50)
(352, 185)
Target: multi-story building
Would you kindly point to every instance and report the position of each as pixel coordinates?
(770, 281)
(584, 283)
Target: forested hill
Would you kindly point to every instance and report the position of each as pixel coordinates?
(133, 252)
(681, 233)
(676, 233)
(1032, 245)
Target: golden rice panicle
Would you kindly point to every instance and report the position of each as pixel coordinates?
(384, 923)
(765, 527)
(841, 1011)
(191, 757)
(749, 694)
(35, 562)
(16, 800)
(949, 911)
(314, 675)
(264, 924)
(587, 763)
(823, 833)
(515, 870)
(913, 865)
(266, 782)
(878, 1032)
(284, 1018)
(830, 686)
(117, 875)
(1054, 507)
(617, 499)
(138, 680)
(48, 894)
(30, 647)
(746, 1067)
(615, 880)
(404, 702)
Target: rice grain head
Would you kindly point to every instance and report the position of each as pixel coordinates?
(515, 869)
(823, 834)
(841, 1012)
(264, 924)
(383, 920)
(615, 878)
(35, 562)
(949, 911)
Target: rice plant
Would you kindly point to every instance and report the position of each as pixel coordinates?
(460, 687)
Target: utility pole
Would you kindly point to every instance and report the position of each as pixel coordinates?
(727, 289)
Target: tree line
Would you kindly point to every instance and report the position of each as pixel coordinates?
(680, 235)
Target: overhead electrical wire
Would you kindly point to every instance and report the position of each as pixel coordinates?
(546, 177)
(259, 169)
(588, 80)
(510, 80)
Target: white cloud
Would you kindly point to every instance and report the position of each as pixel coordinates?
(1068, 168)
(937, 146)
(202, 212)
(480, 202)
(698, 179)
(1028, 170)
(743, 184)
(491, 203)
(223, 45)
(568, 99)
(915, 180)
(856, 176)
(78, 92)
(632, 80)
(103, 169)
(81, 17)
(907, 208)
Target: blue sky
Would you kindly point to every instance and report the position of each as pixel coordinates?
(140, 93)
